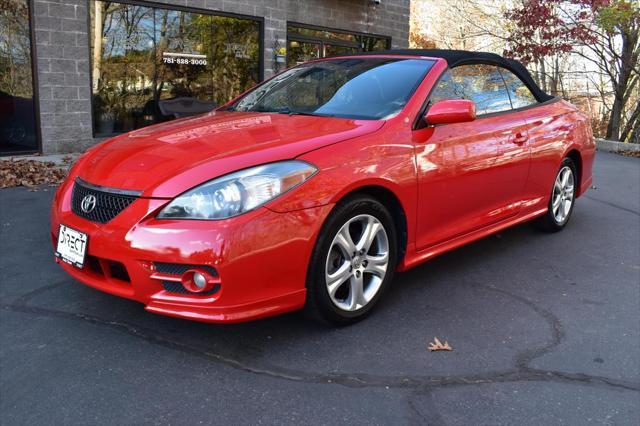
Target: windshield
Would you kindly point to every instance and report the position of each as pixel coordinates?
(359, 88)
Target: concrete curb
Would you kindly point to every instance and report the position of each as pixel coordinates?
(613, 146)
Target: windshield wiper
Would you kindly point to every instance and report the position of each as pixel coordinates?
(304, 113)
(291, 112)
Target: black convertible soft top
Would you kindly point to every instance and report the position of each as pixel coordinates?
(461, 57)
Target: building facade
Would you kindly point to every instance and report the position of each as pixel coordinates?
(73, 72)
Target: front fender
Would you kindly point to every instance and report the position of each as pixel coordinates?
(346, 167)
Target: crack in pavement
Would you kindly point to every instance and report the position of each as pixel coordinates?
(521, 372)
(524, 357)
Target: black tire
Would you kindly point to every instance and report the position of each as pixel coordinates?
(319, 305)
(548, 222)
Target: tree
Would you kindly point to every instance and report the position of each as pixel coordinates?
(458, 24)
(618, 26)
(603, 32)
(418, 39)
(539, 29)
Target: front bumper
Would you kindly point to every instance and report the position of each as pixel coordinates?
(261, 257)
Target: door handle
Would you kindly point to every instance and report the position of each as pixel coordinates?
(519, 138)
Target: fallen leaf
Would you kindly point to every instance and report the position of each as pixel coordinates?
(630, 153)
(30, 173)
(436, 345)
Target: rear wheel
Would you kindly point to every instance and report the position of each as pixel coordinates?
(562, 199)
(353, 261)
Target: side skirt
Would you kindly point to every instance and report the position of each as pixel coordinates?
(414, 258)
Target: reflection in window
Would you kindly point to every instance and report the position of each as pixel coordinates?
(184, 68)
(337, 50)
(17, 112)
(236, 53)
(480, 83)
(306, 44)
(363, 88)
(325, 34)
(143, 56)
(123, 66)
(519, 93)
(302, 51)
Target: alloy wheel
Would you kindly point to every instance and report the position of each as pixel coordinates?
(563, 194)
(357, 262)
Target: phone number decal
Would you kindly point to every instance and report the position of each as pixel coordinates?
(184, 61)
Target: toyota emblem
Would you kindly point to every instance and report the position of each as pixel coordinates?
(88, 203)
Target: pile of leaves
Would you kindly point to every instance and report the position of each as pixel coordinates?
(30, 173)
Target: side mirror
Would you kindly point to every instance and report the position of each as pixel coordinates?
(451, 111)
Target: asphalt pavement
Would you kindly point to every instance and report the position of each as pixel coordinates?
(545, 329)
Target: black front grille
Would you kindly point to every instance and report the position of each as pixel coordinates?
(174, 287)
(107, 204)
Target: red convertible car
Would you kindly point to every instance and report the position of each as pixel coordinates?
(311, 189)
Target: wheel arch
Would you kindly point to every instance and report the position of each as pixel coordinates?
(576, 157)
(391, 201)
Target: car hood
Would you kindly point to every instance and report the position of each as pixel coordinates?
(167, 159)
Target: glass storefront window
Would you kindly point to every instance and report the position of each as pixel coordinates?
(302, 51)
(184, 68)
(17, 108)
(123, 66)
(306, 44)
(236, 52)
(144, 56)
(321, 34)
(336, 50)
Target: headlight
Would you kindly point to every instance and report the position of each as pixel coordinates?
(238, 192)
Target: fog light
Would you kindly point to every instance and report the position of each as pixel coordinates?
(198, 281)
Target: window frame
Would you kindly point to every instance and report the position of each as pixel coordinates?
(142, 3)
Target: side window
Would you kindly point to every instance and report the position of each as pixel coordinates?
(520, 94)
(480, 83)
(447, 88)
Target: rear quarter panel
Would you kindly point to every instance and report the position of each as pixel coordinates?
(555, 129)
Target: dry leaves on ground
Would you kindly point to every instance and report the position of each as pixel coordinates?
(436, 345)
(30, 173)
(631, 153)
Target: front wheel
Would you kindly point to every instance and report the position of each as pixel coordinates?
(562, 199)
(353, 261)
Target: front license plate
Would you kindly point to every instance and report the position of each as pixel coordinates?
(72, 246)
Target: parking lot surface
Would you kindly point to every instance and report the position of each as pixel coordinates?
(545, 329)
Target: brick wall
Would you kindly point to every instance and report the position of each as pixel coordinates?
(62, 49)
(62, 61)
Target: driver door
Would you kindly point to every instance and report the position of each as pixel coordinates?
(470, 175)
